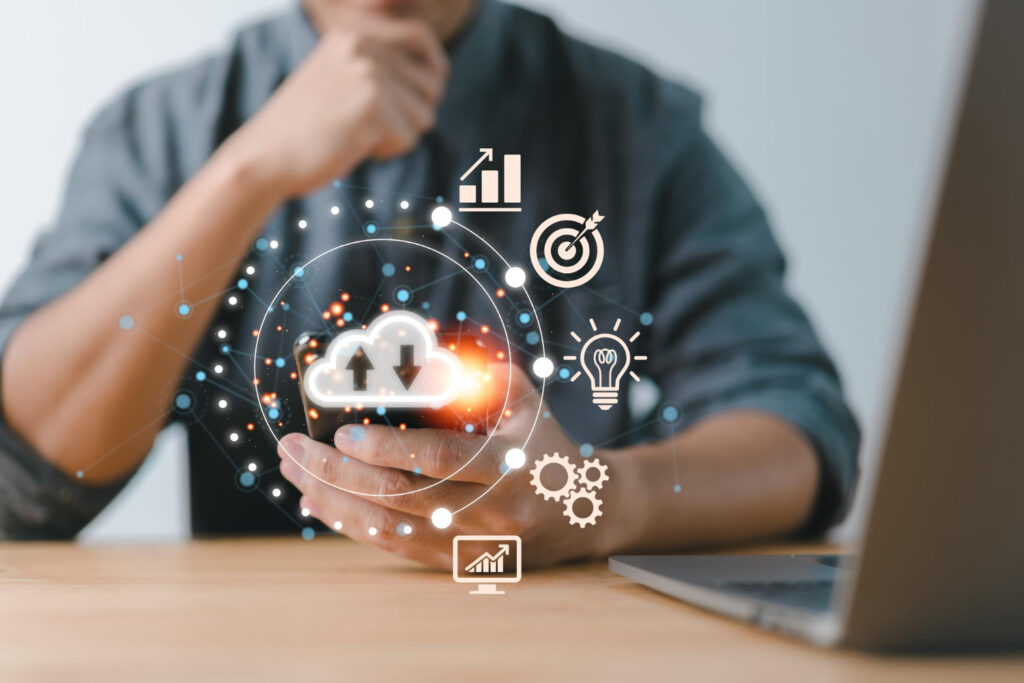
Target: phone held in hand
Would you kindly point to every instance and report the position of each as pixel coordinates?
(468, 412)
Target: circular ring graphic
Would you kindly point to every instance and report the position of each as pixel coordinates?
(572, 259)
(508, 343)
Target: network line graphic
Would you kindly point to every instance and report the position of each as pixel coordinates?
(241, 393)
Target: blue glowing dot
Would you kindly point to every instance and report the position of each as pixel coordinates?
(79, 474)
(460, 316)
(357, 434)
(547, 414)
(298, 271)
(247, 479)
(524, 318)
(426, 305)
(308, 533)
(279, 362)
(337, 183)
(479, 264)
(370, 228)
(532, 338)
(646, 319)
(415, 470)
(183, 401)
(285, 305)
(273, 413)
(670, 413)
(586, 450)
(677, 488)
(347, 317)
(225, 349)
(402, 295)
(381, 410)
(178, 257)
(262, 244)
(470, 429)
(183, 309)
(127, 322)
(200, 375)
(388, 269)
(439, 199)
(344, 458)
(564, 373)
(243, 283)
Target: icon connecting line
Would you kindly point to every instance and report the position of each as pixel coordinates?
(605, 358)
(484, 198)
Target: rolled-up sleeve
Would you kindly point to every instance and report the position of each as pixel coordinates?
(728, 335)
(111, 192)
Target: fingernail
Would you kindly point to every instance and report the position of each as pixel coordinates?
(291, 446)
(346, 438)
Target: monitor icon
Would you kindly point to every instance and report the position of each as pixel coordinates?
(487, 561)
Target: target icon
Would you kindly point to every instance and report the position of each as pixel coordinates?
(567, 250)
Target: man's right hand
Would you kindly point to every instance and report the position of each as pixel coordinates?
(368, 90)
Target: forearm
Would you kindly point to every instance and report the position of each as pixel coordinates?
(743, 476)
(75, 384)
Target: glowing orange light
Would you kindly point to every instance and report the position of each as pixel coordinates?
(326, 315)
(501, 355)
(465, 254)
(366, 420)
(266, 398)
(345, 296)
(348, 409)
(451, 346)
(433, 325)
(256, 381)
(266, 361)
(255, 333)
(508, 413)
(402, 427)
(313, 343)
(339, 322)
(408, 269)
(314, 414)
(500, 293)
(309, 358)
(250, 426)
(279, 328)
(412, 455)
(293, 375)
(336, 308)
(385, 308)
(485, 329)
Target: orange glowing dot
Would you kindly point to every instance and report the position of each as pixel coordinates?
(309, 358)
(412, 455)
(293, 375)
(501, 355)
(336, 308)
(451, 346)
(348, 409)
(250, 426)
(402, 427)
(279, 328)
(345, 296)
(366, 420)
(266, 398)
(256, 381)
(363, 326)
(408, 269)
(255, 333)
(273, 394)
(339, 322)
(465, 254)
(314, 414)
(385, 308)
(500, 293)
(266, 361)
(433, 325)
(508, 413)
(485, 329)
(326, 315)
(313, 343)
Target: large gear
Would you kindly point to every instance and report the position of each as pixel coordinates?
(585, 476)
(595, 510)
(570, 476)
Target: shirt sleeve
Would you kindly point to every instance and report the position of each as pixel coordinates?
(112, 190)
(729, 336)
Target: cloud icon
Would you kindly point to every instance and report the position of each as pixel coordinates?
(395, 361)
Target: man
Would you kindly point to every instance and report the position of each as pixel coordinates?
(398, 97)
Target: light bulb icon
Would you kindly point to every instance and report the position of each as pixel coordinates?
(605, 357)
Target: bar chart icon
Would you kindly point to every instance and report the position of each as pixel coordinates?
(498, 190)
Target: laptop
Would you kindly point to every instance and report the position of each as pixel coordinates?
(940, 564)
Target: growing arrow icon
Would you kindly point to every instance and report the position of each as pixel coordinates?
(407, 371)
(487, 153)
(360, 365)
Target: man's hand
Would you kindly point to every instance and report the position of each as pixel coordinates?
(368, 90)
(375, 464)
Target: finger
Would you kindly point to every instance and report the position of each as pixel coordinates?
(415, 75)
(397, 489)
(437, 453)
(406, 535)
(417, 40)
(515, 394)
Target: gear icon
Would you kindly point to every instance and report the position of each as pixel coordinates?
(588, 479)
(570, 476)
(595, 509)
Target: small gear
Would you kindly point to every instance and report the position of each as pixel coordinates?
(570, 476)
(588, 480)
(595, 510)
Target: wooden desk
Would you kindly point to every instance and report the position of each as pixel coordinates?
(333, 610)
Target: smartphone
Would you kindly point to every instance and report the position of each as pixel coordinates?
(467, 413)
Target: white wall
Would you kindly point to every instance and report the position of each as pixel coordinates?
(835, 111)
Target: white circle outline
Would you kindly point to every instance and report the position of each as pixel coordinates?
(490, 435)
